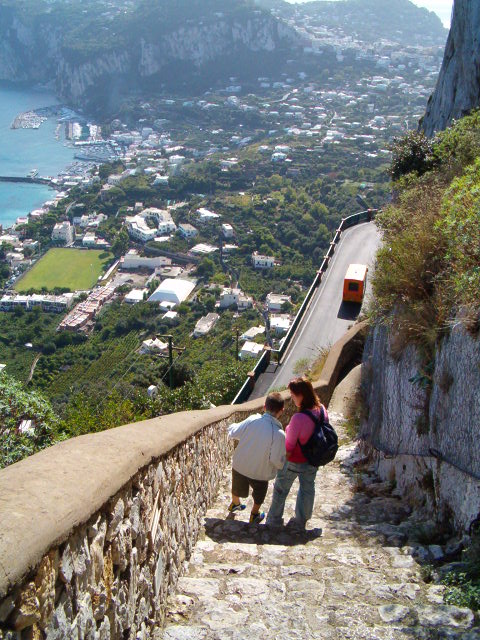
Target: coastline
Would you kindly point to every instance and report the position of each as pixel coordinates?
(35, 130)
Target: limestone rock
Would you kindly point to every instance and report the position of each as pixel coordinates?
(98, 534)
(84, 623)
(103, 632)
(393, 612)
(178, 632)
(45, 581)
(116, 518)
(445, 615)
(6, 607)
(27, 608)
(122, 546)
(457, 90)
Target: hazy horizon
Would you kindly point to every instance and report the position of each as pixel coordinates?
(443, 8)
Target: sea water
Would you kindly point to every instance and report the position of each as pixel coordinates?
(22, 150)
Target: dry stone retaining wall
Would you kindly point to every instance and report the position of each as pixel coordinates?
(424, 422)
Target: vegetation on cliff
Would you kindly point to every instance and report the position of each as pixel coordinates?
(429, 266)
(17, 406)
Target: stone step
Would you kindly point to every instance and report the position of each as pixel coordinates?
(351, 577)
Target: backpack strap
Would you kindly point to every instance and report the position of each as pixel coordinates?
(317, 422)
(316, 419)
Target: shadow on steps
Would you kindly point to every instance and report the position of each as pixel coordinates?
(231, 530)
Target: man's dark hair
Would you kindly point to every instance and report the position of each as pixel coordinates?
(274, 402)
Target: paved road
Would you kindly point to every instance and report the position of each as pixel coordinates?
(327, 318)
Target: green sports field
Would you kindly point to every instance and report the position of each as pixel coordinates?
(71, 268)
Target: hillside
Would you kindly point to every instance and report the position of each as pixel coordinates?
(399, 21)
(96, 52)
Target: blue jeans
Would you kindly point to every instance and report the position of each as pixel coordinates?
(305, 497)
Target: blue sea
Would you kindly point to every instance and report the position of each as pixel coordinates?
(22, 150)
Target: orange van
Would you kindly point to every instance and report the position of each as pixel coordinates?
(355, 283)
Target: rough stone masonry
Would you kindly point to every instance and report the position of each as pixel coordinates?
(112, 575)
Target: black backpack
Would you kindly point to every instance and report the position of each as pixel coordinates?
(322, 446)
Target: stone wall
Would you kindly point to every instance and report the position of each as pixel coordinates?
(110, 576)
(423, 422)
(94, 531)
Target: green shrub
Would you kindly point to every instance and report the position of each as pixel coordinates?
(460, 225)
(412, 154)
(429, 264)
(16, 405)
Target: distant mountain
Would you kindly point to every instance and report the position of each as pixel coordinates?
(458, 87)
(370, 20)
(96, 51)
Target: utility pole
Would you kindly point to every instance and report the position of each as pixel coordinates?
(170, 361)
(171, 349)
(237, 335)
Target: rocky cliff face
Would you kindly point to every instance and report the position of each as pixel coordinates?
(142, 59)
(458, 87)
(423, 422)
(20, 44)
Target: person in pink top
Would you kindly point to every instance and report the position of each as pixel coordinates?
(299, 429)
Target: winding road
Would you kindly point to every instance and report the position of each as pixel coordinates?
(327, 318)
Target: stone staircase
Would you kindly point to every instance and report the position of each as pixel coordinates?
(353, 575)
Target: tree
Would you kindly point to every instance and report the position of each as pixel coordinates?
(206, 268)
(120, 244)
(412, 154)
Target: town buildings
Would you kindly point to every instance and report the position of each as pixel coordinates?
(63, 232)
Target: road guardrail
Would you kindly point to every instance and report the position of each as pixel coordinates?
(264, 361)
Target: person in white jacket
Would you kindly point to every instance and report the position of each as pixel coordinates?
(260, 452)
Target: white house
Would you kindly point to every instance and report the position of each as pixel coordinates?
(134, 296)
(153, 346)
(203, 249)
(172, 290)
(187, 230)
(205, 215)
(205, 324)
(262, 262)
(227, 230)
(10, 239)
(251, 333)
(132, 260)
(230, 297)
(280, 323)
(250, 350)
(89, 240)
(63, 232)
(276, 301)
(139, 230)
(171, 317)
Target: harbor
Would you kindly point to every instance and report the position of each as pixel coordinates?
(28, 120)
(61, 144)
